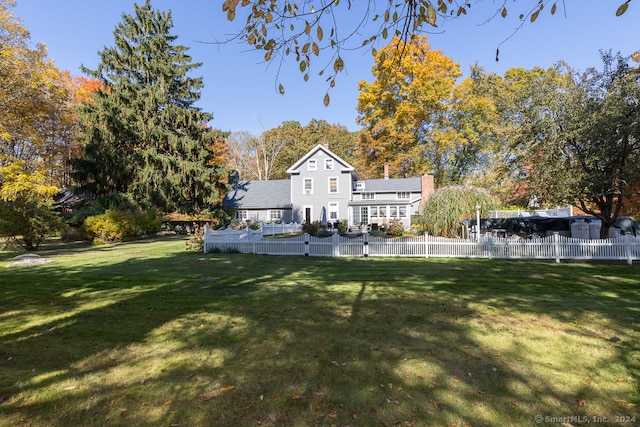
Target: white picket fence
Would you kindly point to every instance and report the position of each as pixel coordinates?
(554, 247)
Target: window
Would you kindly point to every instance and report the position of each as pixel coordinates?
(359, 185)
(308, 186)
(333, 211)
(275, 215)
(374, 211)
(368, 196)
(312, 165)
(383, 211)
(242, 215)
(361, 215)
(333, 185)
(403, 195)
(393, 211)
(328, 164)
(402, 211)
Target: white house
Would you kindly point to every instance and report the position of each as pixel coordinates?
(324, 187)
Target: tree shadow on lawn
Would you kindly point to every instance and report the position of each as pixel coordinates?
(240, 340)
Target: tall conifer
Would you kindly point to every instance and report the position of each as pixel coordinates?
(143, 136)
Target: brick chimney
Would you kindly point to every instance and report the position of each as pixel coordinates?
(427, 188)
(386, 170)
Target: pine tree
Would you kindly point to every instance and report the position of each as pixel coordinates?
(143, 136)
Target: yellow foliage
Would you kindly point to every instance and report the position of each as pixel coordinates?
(419, 117)
(37, 117)
(16, 181)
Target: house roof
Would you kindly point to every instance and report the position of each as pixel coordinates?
(259, 194)
(343, 163)
(391, 185)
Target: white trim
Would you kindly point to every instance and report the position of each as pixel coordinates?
(329, 164)
(336, 210)
(304, 186)
(271, 212)
(329, 185)
(345, 166)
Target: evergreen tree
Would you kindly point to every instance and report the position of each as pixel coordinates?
(142, 135)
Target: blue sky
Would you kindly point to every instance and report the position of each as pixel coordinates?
(240, 88)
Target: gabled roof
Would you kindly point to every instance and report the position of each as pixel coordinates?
(392, 185)
(344, 165)
(259, 195)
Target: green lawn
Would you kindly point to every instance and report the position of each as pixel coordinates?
(147, 334)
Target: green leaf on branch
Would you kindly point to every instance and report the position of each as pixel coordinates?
(623, 8)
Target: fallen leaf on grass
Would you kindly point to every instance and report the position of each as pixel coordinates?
(298, 396)
(168, 402)
(620, 380)
(580, 402)
(434, 403)
(227, 388)
(123, 412)
(587, 378)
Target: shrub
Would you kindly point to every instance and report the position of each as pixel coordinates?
(343, 224)
(312, 228)
(323, 232)
(395, 228)
(118, 226)
(255, 225)
(28, 221)
(236, 224)
(448, 206)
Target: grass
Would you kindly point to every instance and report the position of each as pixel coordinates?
(148, 334)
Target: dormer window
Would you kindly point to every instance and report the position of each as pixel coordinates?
(359, 185)
(328, 164)
(312, 165)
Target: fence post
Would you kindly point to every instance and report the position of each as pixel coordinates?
(335, 244)
(490, 245)
(556, 246)
(204, 239)
(365, 249)
(253, 241)
(306, 244)
(426, 245)
(627, 245)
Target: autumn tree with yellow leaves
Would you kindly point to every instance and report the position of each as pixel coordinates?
(419, 117)
(36, 132)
